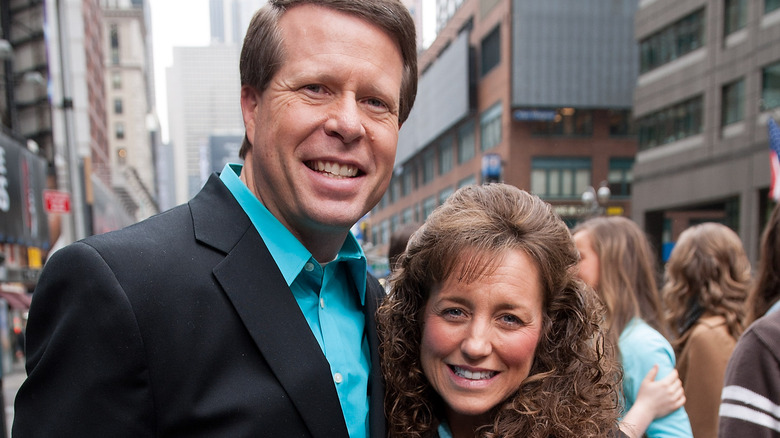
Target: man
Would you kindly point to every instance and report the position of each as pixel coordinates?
(246, 312)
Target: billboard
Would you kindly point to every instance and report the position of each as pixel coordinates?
(23, 220)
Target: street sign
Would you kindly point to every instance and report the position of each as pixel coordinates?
(56, 201)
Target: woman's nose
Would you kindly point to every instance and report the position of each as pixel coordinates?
(477, 343)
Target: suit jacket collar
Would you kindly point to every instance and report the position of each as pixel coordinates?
(263, 301)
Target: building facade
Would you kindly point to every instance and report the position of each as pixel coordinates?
(709, 80)
(130, 116)
(534, 93)
(203, 100)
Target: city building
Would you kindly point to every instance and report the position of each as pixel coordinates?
(203, 100)
(534, 93)
(133, 134)
(709, 80)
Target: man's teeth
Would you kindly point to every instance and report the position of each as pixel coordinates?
(475, 375)
(343, 170)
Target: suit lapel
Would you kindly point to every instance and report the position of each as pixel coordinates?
(269, 311)
(376, 385)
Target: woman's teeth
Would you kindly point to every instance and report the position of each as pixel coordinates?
(473, 375)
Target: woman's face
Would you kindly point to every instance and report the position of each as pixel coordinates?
(589, 261)
(479, 339)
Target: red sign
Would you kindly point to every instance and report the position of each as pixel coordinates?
(56, 201)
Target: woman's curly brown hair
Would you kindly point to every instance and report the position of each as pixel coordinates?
(572, 387)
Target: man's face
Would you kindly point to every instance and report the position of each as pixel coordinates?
(325, 131)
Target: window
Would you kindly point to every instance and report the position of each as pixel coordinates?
(116, 80)
(444, 194)
(770, 86)
(114, 37)
(491, 50)
(567, 122)
(672, 42)
(119, 129)
(429, 204)
(771, 5)
(428, 165)
(466, 142)
(733, 104)
(122, 155)
(407, 216)
(620, 123)
(118, 106)
(560, 177)
(407, 177)
(395, 189)
(490, 127)
(736, 16)
(445, 155)
(620, 176)
(670, 124)
(467, 181)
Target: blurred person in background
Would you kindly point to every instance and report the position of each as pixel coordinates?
(616, 260)
(706, 281)
(750, 400)
(248, 311)
(764, 295)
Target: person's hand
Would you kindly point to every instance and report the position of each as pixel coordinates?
(660, 397)
(655, 399)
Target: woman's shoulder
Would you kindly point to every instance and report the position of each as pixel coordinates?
(638, 335)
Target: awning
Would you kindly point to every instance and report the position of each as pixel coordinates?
(16, 297)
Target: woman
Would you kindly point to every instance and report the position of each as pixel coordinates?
(707, 279)
(618, 263)
(486, 331)
(764, 295)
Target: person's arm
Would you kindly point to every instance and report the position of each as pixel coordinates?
(752, 383)
(656, 398)
(85, 356)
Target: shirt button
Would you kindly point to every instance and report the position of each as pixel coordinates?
(338, 378)
(309, 266)
(322, 303)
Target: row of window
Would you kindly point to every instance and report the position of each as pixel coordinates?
(685, 119)
(551, 178)
(687, 34)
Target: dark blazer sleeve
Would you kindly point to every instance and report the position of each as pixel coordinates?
(84, 355)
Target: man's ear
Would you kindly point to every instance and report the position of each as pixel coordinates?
(250, 103)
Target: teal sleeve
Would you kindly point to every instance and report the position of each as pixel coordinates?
(641, 347)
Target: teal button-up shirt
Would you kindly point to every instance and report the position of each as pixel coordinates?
(331, 297)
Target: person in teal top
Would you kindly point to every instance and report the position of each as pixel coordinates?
(617, 262)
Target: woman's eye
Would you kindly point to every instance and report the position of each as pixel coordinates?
(452, 312)
(511, 319)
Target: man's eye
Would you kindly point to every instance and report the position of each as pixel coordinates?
(376, 102)
(315, 88)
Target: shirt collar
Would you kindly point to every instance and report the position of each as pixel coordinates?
(280, 241)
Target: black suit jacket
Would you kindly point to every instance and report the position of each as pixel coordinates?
(181, 325)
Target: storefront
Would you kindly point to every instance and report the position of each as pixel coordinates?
(24, 237)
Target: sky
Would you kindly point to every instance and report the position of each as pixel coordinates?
(179, 23)
(175, 23)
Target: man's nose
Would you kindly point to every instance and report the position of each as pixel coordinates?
(345, 120)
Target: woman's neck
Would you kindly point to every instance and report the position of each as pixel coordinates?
(465, 426)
